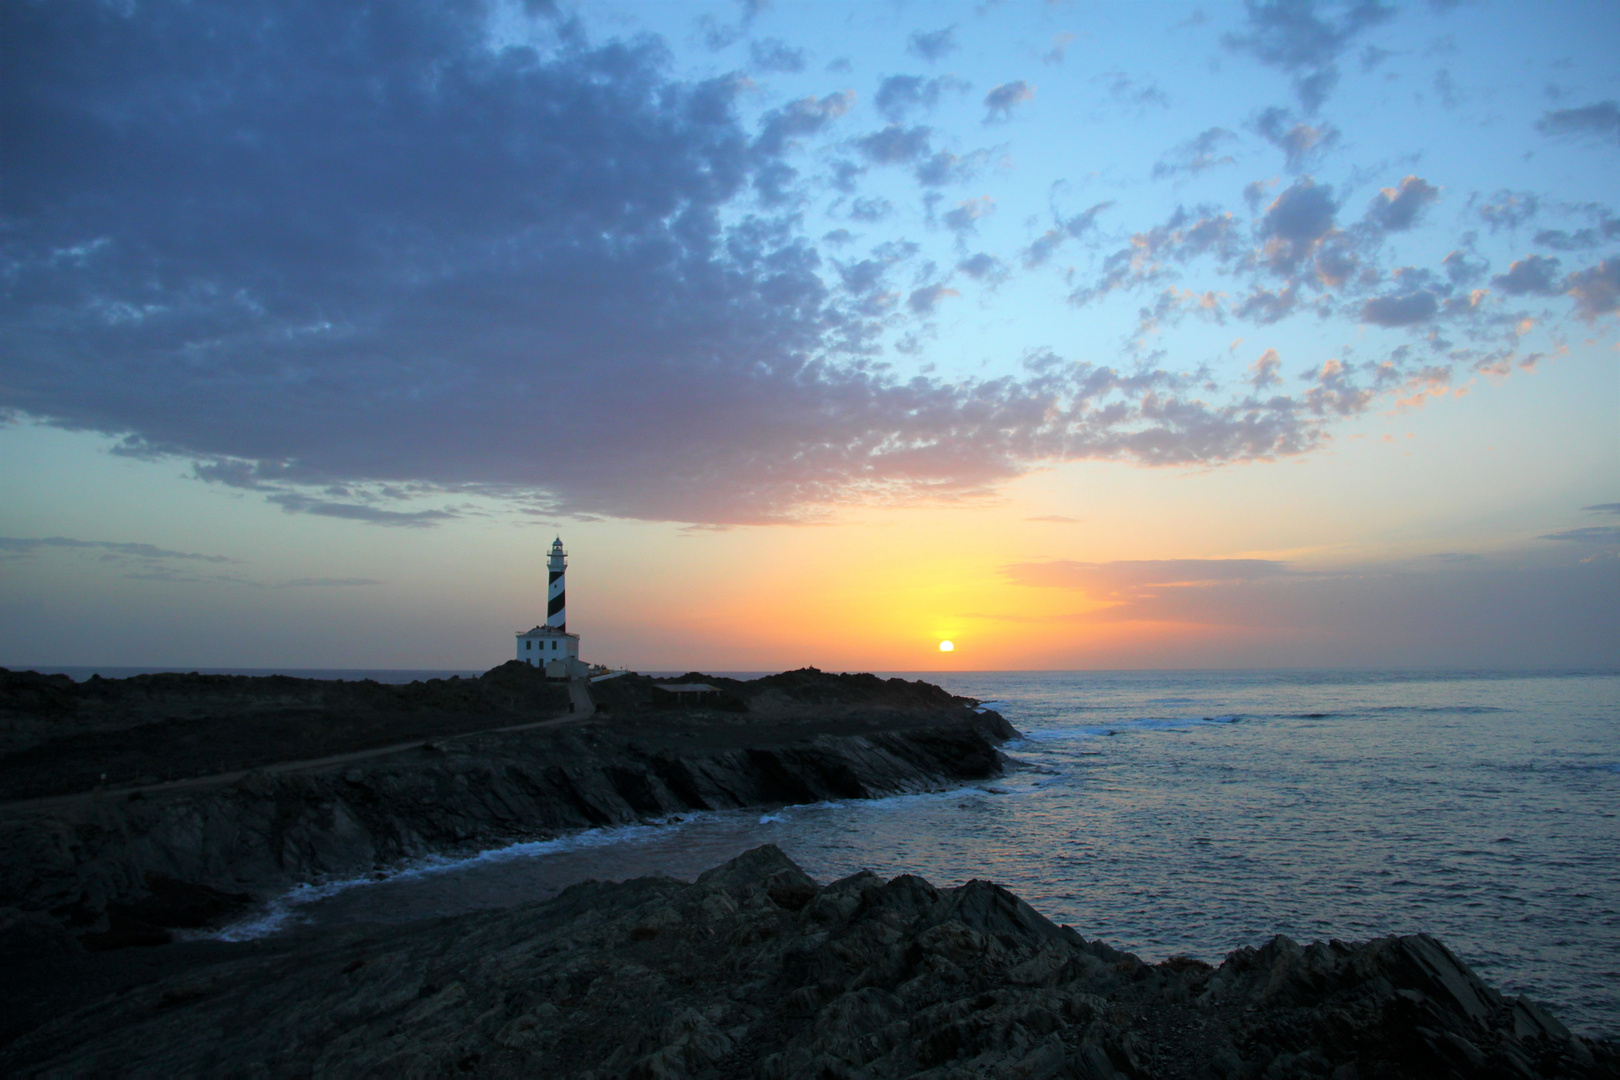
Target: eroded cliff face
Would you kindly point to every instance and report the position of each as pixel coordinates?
(755, 970)
(119, 870)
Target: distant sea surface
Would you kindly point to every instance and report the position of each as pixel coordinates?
(1193, 813)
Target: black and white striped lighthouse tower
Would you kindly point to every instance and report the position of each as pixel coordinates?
(556, 597)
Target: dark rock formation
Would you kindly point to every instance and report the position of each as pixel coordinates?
(58, 736)
(124, 870)
(756, 971)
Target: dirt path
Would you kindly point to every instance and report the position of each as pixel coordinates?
(581, 709)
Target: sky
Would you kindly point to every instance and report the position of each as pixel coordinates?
(1081, 335)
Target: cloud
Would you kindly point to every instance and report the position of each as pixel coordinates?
(1300, 217)
(330, 583)
(1130, 582)
(1066, 229)
(1507, 610)
(947, 168)
(1596, 289)
(966, 214)
(1396, 209)
(1196, 155)
(934, 45)
(1056, 519)
(1533, 276)
(1509, 209)
(1589, 534)
(1604, 508)
(1600, 120)
(798, 119)
(298, 503)
(1151, 256)
(26, 546)
(894, 145)
(1000, 101)
(982, 266)
(899, 95)
(1134, 94)
(870, 209)
(372, 264)
(1305, 38)
(1607, 230)
(1059, 49)
(1301, 143)
(1445, 88)
(1265, 370)
(1464, 270)
(1401, 309)
(774, 54)
(923, 301)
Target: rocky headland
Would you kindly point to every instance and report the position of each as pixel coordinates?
(755, 970)
(231, 791)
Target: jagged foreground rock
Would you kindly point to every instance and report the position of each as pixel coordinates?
(755, 971)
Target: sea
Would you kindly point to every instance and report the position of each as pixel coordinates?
(1191, 813)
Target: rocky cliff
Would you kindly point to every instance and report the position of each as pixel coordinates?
(755, 970)
(123, 869)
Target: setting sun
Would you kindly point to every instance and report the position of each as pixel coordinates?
(946, 646)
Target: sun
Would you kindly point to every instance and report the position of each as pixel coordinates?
(946, 646)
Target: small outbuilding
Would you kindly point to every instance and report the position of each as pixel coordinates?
(685, 695)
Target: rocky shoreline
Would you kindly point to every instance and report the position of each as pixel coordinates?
(755, 970)
(112, 870)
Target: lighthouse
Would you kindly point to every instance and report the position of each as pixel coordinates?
(550, 645)
(556, 593)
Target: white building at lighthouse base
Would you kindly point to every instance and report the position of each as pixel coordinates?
(555, 650)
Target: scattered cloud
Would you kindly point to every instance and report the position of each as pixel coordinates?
(923, 301)
(983, 267)
(1305, 39)
(1300, 142)
(933, 45)
(1600, 120)
(1588, 534)
(1198, 154)
(1134, 93)
(1607, 230)
(330, 583)
(1001, 100)
(967, 213)
(1509, 209)
(14, 545)
(1596, 289)
(774, 54)
(1536, 275)
(900, 95)
(1059, 49)
(895, 145)
(1604, 508)
(298, 503)
(1142, 588)
(1401, 309)
(1066, 229)
(1397, 209)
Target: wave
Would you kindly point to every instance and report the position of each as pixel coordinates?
(1125, 727)
(282, 912)
(287, 911)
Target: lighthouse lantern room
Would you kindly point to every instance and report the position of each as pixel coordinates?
(550, 645)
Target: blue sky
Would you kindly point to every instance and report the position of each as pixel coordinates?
(354, 304)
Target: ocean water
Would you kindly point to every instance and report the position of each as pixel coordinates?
(1193, 813)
